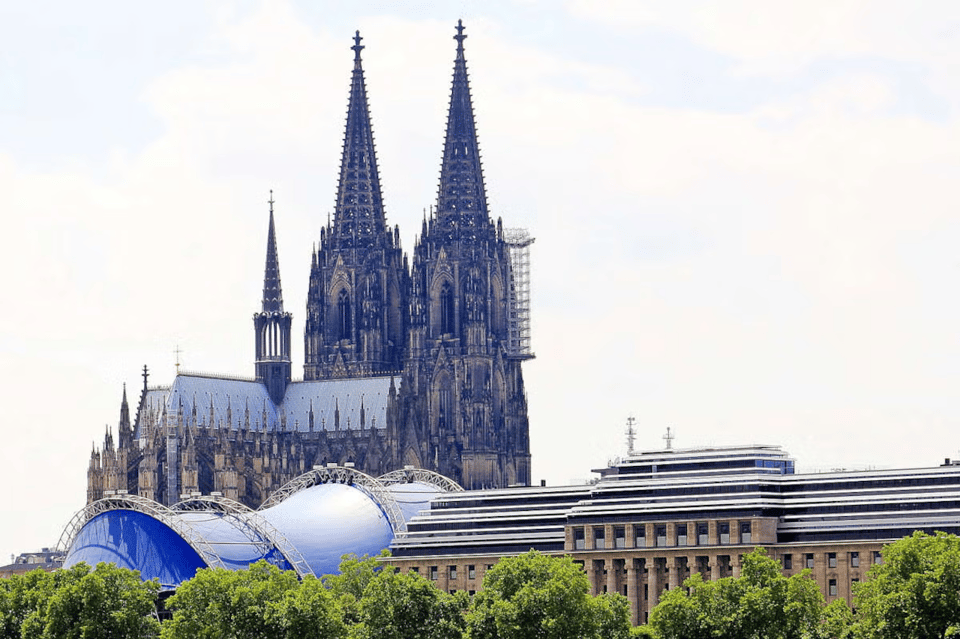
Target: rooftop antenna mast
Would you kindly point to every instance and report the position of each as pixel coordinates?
(631, 434)
(669, 438)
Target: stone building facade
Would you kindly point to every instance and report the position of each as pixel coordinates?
(404, 364)
(655, 518)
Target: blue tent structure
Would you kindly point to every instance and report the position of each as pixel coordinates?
(307, 525)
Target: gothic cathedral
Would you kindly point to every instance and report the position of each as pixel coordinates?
(405, 363)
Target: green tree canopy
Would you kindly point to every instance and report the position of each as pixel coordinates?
(915, 592)
(349, 584)
(261, 601)
(105, 602)
(78, 602)
(760, 604)
(407, 606)
(535, 595)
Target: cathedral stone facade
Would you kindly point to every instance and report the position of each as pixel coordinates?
(406, 362)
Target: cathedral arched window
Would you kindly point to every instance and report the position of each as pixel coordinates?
(343, 315)
(446, 309)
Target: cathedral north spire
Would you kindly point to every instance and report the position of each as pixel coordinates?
(461, 200)
(359, 219)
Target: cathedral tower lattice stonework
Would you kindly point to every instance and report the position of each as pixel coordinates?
(404, 364)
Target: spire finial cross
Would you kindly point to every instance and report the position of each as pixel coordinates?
(669, 438)
(459, 37)
(270, 201)
(357, 47)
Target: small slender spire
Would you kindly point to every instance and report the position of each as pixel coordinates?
(461, 199)
(124, 407)
(272, 295)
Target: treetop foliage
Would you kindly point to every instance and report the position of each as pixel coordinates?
(913, 594)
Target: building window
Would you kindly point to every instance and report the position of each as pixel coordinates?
(724, 530)
(471, 572)
(415, 570)
(833, 587)
(788, 562)
(660, 532)
(433, 573)
(598, 541)
(745, 536)
(681, 534)
(446, 308)
(619, 537)
(832, 559)
(855, 560)
(579, 542)
(453, 571)
(877, 558)
(641, 535)
(703, 534)
(343, 312)
(808, 558)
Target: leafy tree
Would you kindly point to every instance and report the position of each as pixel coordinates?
(407, 606)
(105, 602)
(915, 592)
(355, 573)
(310, 611)
(78, 602)
(350, 583)
(23, 598)
(534, 595)
(761, 603)
(837, 621)
(219, 603)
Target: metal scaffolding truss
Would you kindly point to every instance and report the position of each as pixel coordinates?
(518, 242)
(146, 506)
(422, 476)
(261, 533)
(350, 477)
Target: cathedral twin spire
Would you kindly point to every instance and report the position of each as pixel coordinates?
(461, 198)
(359, 219)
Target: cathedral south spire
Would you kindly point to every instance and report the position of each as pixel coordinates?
(272, 325)
(461, 200)
(355, 324)
(359, 220)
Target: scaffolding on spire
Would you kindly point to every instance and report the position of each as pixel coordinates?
(518, 242)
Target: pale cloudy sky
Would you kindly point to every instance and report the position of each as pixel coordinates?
(746, 212)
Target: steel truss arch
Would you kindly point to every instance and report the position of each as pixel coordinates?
(145, 506)
(254, 526)
(350, 477)
(422, 476)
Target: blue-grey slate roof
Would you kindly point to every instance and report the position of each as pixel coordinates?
(361, 403)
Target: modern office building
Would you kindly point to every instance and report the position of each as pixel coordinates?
(653, 519)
